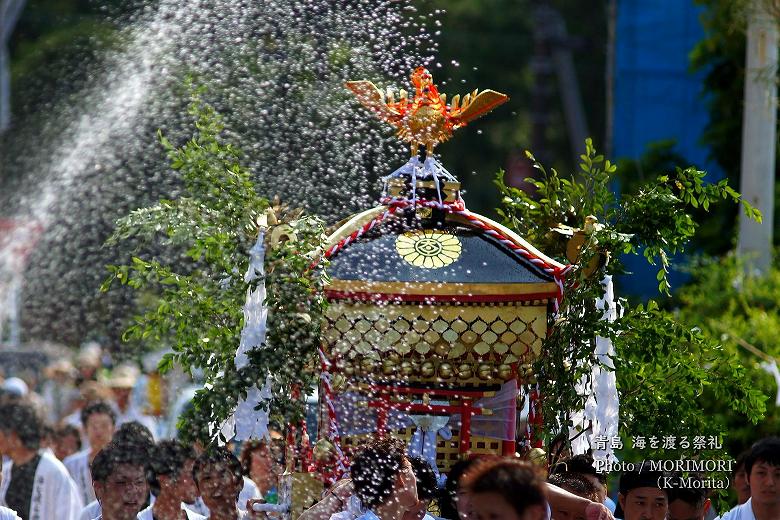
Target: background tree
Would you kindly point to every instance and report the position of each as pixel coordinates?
(196, 306)
(666, 370)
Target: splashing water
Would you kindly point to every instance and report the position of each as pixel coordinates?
(273, 69)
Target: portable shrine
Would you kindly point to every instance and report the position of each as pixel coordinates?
(435, 313)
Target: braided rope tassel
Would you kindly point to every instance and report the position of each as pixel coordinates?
(333, 428)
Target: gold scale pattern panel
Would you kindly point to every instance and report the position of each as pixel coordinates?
(466, 342)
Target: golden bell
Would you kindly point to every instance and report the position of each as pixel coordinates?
(388, 367)
(445, 370)
(465, 371)
(427, 369)
(485, 371)
(504, 372)
(367, 365)
(337, 382)
(407, 368)
(323, 450)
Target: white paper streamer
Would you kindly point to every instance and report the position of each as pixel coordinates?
(772, 369)
(246, 422)
(428, 169)
(255, 311)
(251, 423)
(601, 411)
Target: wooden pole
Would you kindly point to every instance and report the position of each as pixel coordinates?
(759, 135)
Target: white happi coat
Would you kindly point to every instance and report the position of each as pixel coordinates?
(54, 494)
(146, 514)
(78, 467)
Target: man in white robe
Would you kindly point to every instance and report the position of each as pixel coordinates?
(35, 484)
(122, 381)
(172, 482)
(98, 420)
(119, 480)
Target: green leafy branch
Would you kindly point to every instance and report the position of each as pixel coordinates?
(664, 369)
(198, 300)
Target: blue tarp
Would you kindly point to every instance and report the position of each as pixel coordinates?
(656, 96)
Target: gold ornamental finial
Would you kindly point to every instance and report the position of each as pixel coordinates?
(425, 119)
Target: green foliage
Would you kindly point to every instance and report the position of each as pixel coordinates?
(199, 301)
(656, 220)
(742, 313)
(664, 369)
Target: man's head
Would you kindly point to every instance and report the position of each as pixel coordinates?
(20, 429)
(640, 496)
(427, 488)
(687, 502)
(262, 460)
(67, 441)
(505, 489)
(217, 473)
(739, 480)
(575, 483)
(136, 435)
(381, 473)
(119, 480)
(583, 465)
(762, 466)
(98, 419)
(171, 471)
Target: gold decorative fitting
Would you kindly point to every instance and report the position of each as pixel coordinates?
(485, 371)
(504, 372)
(388, 367)
(465, 371)
(425, 118)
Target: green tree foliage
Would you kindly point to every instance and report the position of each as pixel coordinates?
(198, 301)
(664, 368)
(742, 313)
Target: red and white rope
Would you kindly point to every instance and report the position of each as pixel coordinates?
(333, 428)
(457, 208)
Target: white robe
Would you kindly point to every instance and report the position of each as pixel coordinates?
(78, 467)
(250, 490)
(8, 514)
(90, 511)
(54, 493)
(146, 514)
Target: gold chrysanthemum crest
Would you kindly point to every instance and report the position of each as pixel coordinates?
(428, 248)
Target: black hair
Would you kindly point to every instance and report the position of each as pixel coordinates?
(641, 477)
(68, 430)
(274, 447)
(694, 496)
(576, 483)
(766, 450)
(448, 507)
(97, 407)
(582, 464)
(22, 419)
(375, 468)
(106, 461)
(739, 463)
(516, 481)
(136, 435)
(169, 456)
(427, 487)
(217, 456)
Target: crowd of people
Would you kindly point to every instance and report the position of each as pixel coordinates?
(92, 454)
